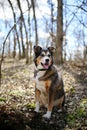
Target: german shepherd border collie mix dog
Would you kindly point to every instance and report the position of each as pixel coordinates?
(49, 90)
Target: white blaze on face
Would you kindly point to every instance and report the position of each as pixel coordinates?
(43, 60)
(43, 63)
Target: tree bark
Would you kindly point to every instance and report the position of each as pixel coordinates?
(59, 39)
(9, 43)
(15, 28)
(14, 48)
(36, 34)
(23, 20)
(21, 35)
(27, 47)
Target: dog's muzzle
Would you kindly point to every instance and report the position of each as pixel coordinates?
(46, 64)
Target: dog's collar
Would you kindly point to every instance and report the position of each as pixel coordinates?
(38, 70)
(41, 69)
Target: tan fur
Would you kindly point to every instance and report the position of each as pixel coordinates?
(38, 60)
(47, 85)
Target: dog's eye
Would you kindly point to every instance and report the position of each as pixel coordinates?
(42, 55)
(49, 55)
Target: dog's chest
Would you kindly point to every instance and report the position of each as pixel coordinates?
(40, 85)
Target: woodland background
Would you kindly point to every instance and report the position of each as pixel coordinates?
(58, 23)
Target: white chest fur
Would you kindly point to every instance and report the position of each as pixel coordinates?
(40, 84)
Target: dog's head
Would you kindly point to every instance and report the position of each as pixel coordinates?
(43, 57)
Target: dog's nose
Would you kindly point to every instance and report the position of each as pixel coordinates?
(47, 60)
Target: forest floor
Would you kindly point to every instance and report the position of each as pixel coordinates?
(17, 100)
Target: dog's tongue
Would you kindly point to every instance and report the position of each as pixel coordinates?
(46, 66)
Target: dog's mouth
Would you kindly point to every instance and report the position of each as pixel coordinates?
(45, 66)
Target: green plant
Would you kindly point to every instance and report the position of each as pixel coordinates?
(80, 112)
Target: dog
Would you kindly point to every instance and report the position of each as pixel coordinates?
(49, 88)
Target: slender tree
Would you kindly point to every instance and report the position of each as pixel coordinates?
(21, 33)
(9, 45)
(15, 28)
(59, 39)
(28, 49)
(22, 42)
(14, 47)
(34, 13)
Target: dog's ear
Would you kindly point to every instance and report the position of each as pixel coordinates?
(37, 49)
(52, 49)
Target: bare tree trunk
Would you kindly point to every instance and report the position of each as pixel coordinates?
(15, 28)
(28, 49)
(14, 49)
(85, 52)
(85, 46)
(52, 22)
(26, 32)
(65, 32)
(59, 40)
(36, 34)
(9, 52)
(30, 43)
(21, 35)
(22, 20)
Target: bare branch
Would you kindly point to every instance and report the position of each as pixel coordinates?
(80, 7)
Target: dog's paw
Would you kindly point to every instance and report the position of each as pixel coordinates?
(36, 110)
(37, 107)
(47, 115)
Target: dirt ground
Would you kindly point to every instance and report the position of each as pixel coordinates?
(17, 101)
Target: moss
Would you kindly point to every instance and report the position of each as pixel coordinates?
(31, 105)
(74, 119)
(2, 99)
(71, 120)
(72, 90)
(80, 112)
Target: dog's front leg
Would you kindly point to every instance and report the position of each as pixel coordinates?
(37, 94)
(50, 106)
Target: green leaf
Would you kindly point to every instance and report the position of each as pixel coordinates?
(80, 112)
(2, 99)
